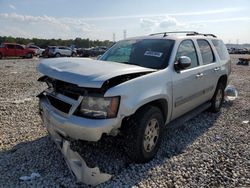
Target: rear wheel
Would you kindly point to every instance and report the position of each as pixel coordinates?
(145, 134)
(58, 55)
(218, 98)
(29, 55)
(1, 56)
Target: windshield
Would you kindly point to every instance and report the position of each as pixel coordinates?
(150, 53)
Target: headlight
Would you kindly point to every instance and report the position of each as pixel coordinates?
(99, 107)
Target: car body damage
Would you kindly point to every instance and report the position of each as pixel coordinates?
(70, 96)
(86, 72)
(66, 87)
(76, 164)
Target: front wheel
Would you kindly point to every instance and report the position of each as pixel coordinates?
(218, 98)
(58, 55)
(145, 134)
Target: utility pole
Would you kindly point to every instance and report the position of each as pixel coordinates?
(113, 37)
(124, 34)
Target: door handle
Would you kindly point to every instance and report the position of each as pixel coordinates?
(217, 69)
(199, 75)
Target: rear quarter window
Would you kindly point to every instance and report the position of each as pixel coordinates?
(221, 49)
(206, 51)
(19, 47)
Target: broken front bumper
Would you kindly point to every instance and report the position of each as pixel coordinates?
(78, 167)
(76, 127)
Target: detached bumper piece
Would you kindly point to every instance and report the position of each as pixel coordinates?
(76, 164)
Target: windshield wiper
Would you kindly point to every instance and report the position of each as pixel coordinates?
(128, 63)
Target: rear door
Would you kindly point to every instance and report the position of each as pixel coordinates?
(68, 51)
(210, 68)
(10, 51)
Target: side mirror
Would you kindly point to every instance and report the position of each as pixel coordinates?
(182, 63)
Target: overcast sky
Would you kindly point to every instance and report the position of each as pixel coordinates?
(99, 19)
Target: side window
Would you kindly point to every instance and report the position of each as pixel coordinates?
(10, 46)
(187, 48)
(18, 47)
(206, 52)
(221, 49)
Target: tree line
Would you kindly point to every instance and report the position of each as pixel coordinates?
(43, 43)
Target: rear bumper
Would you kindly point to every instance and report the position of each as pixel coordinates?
(76, 127)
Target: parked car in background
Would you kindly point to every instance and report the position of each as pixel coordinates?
(59, 51)
(243, 51)
(238, 51)
(92, 52)
(15, 50)
(37, 49)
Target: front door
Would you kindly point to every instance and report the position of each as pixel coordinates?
(10, 51)
(20, 50)
(188, 83)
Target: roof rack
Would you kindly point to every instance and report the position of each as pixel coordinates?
(188, 33)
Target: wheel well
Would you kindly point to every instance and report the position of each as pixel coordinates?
(223, 80)
(162, 104)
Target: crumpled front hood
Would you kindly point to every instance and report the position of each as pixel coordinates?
(86, 72)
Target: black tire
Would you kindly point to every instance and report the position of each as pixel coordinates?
(218, 98)
(57, 55)
(136, 138)
(1, 56)
(29, 55)
(73, 54)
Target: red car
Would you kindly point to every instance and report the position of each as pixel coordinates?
(15, 50)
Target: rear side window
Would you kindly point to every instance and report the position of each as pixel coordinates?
(187, 48)
(10, 46)
(19, 47)
(221, 49)
(206, 51)
(33, 47)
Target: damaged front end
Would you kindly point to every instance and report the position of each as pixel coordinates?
(77, 165)
(58, 106)
(80, 113)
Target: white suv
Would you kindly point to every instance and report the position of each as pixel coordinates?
(59, 51)
(135, 89)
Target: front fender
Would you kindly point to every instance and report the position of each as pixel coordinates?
(142, 90)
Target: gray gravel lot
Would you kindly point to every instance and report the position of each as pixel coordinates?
(211, 150)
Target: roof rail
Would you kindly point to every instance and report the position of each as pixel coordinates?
(204, 34)
(188, 33)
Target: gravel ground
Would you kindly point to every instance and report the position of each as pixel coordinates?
(211, 150)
